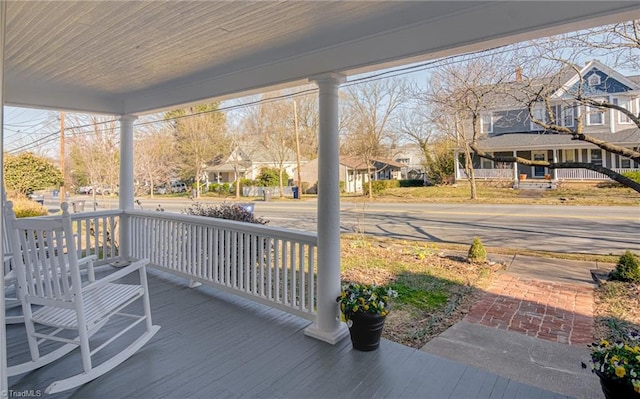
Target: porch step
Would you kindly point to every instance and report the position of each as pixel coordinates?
(536, 185)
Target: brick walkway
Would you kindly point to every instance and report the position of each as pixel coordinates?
(559, 312)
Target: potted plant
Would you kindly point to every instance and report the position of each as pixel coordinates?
(364, 308)
(618, 366)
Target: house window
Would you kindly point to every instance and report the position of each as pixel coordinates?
(626, 104)
(594, 80)
(596, 157)
(540, 115)
(595, 116)
(568, 116)
(486, 122)
(487, 163)
(625, 162)
(403, 160)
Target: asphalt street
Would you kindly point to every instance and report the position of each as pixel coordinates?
(584, 229)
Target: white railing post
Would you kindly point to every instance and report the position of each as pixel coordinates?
(126, 187)
(327, 326)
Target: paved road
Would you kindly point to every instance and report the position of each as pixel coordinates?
(538, 227)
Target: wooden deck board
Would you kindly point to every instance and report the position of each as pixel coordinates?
(213, 344)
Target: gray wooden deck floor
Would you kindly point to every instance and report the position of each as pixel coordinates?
(215, 345)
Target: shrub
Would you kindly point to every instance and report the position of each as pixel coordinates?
(248, 182)
(378, 186)
(25, 208)
(411, 183)
(228, 211)
(477, 253)
(270, 177)
(342, 186)
(627, 269)
(635, 176)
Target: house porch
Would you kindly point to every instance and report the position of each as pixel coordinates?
(216, 344)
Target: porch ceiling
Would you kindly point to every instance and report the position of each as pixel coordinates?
(140, 56)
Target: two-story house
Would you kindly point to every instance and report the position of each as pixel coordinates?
(411, 157)
(509, 131)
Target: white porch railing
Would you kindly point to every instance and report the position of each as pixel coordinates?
(501, 174)
(269, 265)
(563, 174)
(586, 174)
(97, 233)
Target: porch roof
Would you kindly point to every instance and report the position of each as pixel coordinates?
(532, 141)
(138, 57)
(214, 344)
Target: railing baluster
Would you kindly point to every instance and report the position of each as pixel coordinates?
(273, 266)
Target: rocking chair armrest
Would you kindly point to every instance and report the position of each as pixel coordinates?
(87, 259)
(116, 275)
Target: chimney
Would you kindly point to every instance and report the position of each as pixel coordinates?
(518, 74)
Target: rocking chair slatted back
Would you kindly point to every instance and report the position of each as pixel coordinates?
(50, 262)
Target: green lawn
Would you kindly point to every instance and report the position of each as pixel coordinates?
(501, 193)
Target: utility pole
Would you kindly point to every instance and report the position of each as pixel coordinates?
(62, 169)
(295, 128)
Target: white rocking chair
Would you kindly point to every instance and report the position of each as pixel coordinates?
(45, 259)
(10, 279)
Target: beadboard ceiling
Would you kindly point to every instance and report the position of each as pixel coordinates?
(135, 57)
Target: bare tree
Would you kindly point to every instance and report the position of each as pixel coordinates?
(369, 109)
(155, 159)
(93, 144)
(460, 95)
(200, 138)
(272, 123)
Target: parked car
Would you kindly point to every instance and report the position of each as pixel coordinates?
(178, 187)
(85, 190)
(175, 187)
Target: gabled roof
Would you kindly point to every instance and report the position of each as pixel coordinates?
(573, 78)
(389, 162)
(353, 162)
(357, 163)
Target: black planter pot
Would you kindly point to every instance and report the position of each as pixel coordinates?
(614, 389)
(366, 330)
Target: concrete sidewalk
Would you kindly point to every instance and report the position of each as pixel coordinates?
(532, 325)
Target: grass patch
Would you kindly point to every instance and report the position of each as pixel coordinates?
(420, 298)
(617, 309)
(605, 194)
(434, 292)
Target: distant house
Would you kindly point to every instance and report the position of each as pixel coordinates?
(412, 159)
(509, 130)
(245, 162)
(354, 172)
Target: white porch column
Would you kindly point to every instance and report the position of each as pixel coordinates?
(515, 168)
(554, 173)
(4, 386)
(126, 186)
(327, 326)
